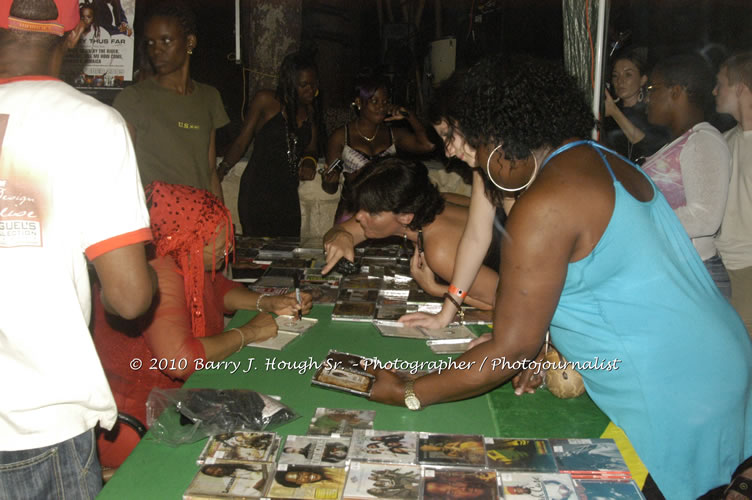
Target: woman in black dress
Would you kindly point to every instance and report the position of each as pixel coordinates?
(285, 150)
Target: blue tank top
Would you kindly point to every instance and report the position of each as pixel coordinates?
(681, 388)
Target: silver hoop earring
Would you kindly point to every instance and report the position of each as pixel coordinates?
(641, 95)
(488, 171)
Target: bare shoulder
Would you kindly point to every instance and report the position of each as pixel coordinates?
(338, 136)
(456, 199)
(266, 100)
(568, 206)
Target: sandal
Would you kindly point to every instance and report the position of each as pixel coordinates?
(740, 485)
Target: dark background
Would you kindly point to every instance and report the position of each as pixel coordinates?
(714, 28)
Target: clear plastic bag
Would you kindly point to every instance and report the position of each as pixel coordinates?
(178, 416)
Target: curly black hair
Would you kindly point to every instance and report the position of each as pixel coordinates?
(522, 102)
(446, 105)
(693, 73)
(179, 10)
(395, 185)
(367, 82)
(287, 92)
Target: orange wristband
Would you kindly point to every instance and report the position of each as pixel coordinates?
(456, 291)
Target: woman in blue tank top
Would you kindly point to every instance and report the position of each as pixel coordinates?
(595, 253)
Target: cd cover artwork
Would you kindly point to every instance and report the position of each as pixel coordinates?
(327, 421)
(508, 454)
(368, 480)
(240, 446)
(534, 485)
(451, 449)
(441, 483)
(307, 481)
(314, 450)
(241, 480)
(384, 446)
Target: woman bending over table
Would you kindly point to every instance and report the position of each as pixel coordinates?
(595, 252)
(487, 207)
(192, 236)
(394, 197)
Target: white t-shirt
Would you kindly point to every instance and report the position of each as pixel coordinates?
(735, 241)
(693, 173)
(69, 184)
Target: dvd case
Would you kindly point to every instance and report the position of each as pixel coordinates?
(238, 447)
(307, 482)
(315, 450)
(394, 447)
(386, 482)
(228, 480)
(451, 449)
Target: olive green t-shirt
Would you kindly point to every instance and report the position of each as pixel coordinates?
(172, 131)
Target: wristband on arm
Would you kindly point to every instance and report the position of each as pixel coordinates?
(453, 290)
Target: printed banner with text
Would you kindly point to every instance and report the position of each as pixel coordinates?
(104, 54)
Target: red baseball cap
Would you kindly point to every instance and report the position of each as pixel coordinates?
(67, 19)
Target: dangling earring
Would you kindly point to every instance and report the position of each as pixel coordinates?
(316, 94)
(190, 52)
(641, 95)
(488, 171)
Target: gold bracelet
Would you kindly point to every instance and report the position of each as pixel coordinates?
(242, 338)
(314, 160)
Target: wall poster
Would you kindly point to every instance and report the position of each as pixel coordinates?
(103, 57)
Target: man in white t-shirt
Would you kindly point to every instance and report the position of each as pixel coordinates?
(733, 95)
(69, 189)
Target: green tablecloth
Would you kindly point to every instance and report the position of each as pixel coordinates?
(159, 471)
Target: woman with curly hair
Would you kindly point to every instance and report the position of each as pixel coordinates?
(595, 253)
(288, 134)
(394, 197)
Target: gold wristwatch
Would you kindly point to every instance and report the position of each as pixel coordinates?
(411, 400)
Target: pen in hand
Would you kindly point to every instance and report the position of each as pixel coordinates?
(297, 297)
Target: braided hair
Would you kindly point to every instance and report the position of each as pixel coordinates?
(287, 94)
(178, 10)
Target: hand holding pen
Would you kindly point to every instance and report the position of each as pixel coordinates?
(289, 305)
(297, 297)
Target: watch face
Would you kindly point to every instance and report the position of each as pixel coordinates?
(412, 403)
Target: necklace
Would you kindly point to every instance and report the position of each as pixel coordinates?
(292, 148)
(368, 139)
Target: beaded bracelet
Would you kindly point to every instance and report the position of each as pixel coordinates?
(258, 301)
(242, 338)
(460, 312)
(456, 291)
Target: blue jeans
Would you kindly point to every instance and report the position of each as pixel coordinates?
(67, 470)
(718, 272)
